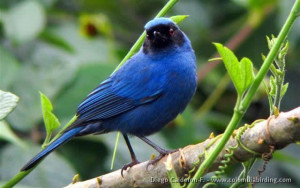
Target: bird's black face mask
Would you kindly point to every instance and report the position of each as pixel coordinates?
(162, 37)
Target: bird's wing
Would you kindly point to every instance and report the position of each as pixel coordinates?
(116, 96)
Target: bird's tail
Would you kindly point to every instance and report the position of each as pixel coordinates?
(61, 140)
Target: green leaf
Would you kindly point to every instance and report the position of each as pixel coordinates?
(179, 18)
(231, 64)
(272, 86)
(284, 89)
(273, 69)
(241, 73)
(24, 21)
(283, 51)
(50, 120)
(247, 72)
(7, 134)
(269, 96)
(8, 102)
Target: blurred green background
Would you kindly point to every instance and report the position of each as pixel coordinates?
(65, 48)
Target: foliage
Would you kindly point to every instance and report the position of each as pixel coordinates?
(8, 102)
(277, 86)
(241, 73)
(50, 120)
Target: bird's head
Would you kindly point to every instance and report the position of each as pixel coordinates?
(162, 33)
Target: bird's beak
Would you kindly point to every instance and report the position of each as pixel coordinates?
(157, 34)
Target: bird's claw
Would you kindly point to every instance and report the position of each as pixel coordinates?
(129, 165)
(161, 155)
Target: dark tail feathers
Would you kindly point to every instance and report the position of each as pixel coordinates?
(61, 140)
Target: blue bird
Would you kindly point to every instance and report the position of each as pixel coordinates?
(145, 94)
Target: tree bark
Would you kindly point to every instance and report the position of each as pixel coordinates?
(277, 132)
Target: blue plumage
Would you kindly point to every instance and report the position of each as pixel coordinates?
(146, 93)
(158, 21)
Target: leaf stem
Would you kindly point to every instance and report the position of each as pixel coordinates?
(47, 140)
(239, 112)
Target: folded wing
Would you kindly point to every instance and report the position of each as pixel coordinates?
(114, 97)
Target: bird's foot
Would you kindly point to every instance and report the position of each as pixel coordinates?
(129, 165)
(161, 155)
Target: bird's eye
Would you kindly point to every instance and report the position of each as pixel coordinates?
(171, 31)
(148, 37)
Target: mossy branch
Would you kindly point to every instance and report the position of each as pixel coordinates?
(280, 131)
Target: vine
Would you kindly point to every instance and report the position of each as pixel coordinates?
(245, 95)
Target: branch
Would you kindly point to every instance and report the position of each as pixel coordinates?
(275, 131)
